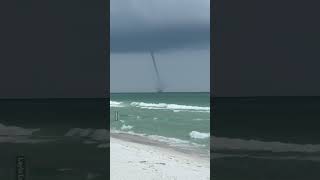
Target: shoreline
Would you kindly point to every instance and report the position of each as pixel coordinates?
(138, 158)
(135, 138)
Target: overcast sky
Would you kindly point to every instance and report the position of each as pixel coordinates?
(178, 31)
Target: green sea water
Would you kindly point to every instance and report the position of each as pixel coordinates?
(178, 119)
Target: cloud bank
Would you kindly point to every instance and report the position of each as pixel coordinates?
(144, 25)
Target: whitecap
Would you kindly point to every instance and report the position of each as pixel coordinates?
(126, 127)
(173, 107)
(199, 119)
(168, 140)
(116, 104)
(175, 142)
(199, 135)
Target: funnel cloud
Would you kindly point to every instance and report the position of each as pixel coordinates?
(177, 31)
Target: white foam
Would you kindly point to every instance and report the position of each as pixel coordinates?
(171, 141)
(132, 133)
(173, 107)
(116, 104)
(126, 127)
(199, 135)
(199, 119)
(220, 143)
(175, 142)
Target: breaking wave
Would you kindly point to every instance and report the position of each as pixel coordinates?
(173, 107)
(174, 142)
(199, 119)
(116, 104)
(199, 135)
(126, 127)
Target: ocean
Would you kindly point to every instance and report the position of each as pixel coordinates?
(180, 120)
(266, 138)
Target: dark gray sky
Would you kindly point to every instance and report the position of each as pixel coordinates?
(53, 49)
(178, 31)
(267, 48)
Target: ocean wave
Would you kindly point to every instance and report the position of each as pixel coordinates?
(220, 143)
(174, 142)
(116, 104)
(199, 119)
(168, 140)
(126, 132)
(126, 127)
(173, 107)
(199, 135)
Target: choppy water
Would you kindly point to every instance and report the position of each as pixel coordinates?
(178, 119)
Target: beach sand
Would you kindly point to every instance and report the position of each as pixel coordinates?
(144, 161)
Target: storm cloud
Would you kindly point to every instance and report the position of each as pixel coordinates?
(178, 31)
(144, 25)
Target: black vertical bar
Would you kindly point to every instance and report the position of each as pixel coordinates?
(54, 77)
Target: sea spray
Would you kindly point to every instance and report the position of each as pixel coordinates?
(199, 135)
